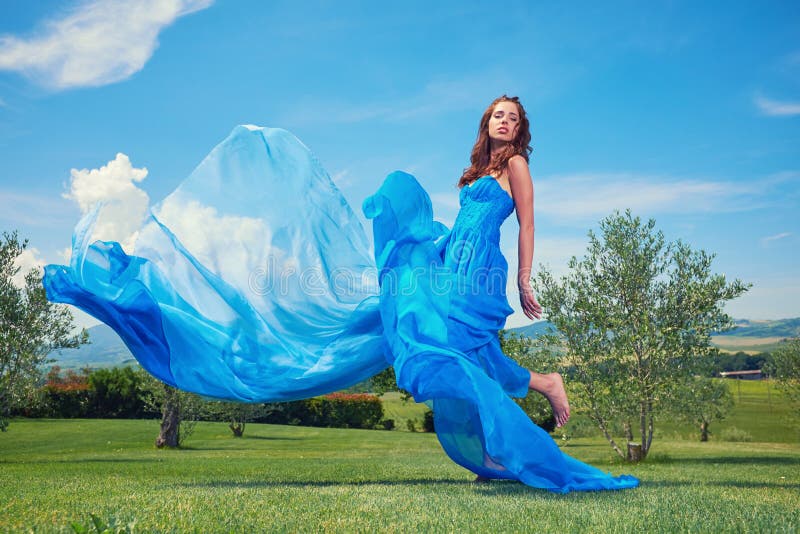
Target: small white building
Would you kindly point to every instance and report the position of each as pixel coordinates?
(743, 375)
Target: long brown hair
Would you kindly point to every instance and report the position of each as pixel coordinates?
(481, 160)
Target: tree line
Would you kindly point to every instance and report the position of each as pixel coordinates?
(131, 393)
(633, 320)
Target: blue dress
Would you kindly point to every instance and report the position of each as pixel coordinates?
(254, 281)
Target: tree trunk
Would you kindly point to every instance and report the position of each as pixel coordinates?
(643, 429)
(610, 439)
(635, 452)
(237, 428)
(628, 430)
(169, 436)
(704, 431)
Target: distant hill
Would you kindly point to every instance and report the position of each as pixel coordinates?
(107, 349)
(777, 328)
(533, 330)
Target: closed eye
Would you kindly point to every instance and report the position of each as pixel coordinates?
(511, 116)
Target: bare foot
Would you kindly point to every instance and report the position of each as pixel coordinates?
(490, 463)
(551, 386)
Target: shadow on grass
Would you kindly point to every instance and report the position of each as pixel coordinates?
(270, 438)
(728, 460)
(328, 483)
(757, 460)
(493, 488)
(87, 461)
(720, 483)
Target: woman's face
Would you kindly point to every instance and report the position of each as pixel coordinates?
(504, 122)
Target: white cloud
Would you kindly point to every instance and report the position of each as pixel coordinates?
(27, 260)
(97, 43)
(125, 204)
(342, 179)
(437, 97)
(65, 254)
(30, 259)
(782, 235)
(776, 108)
(229, 245)
(553, 253)
(81, 319)
(582, 197)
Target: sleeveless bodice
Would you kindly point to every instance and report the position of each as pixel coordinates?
(484, 207)
(474, 242)
(471, 251)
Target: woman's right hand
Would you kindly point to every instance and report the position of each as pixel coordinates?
(530, 306)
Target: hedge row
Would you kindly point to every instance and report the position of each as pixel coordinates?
(118, 394)
(114, 393)
(338, 410)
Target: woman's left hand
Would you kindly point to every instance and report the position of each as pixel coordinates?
(531, 306)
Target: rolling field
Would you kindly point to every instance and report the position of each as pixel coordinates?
(747, 344)
(283, 478)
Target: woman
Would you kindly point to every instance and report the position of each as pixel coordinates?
(501, 154)
(253, 281)
(443, 344)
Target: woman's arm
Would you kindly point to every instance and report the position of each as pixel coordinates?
(519, 178)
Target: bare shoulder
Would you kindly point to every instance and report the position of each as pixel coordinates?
(518, 168)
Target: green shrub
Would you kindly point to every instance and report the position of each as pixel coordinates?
(427, 422)
(337, 410)
(388, 424)
(735, 434)
(580, 427)
(66, 395)
(104, 393)
(115, 394)
(353, 410)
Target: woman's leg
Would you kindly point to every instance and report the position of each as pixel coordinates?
(551, 386)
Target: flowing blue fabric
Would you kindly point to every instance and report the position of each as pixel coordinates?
(253, 281)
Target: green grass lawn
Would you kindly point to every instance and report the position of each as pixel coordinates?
(283, 478)
(54, 472)
(759, 413)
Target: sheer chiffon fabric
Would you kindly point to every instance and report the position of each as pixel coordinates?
(253, 281)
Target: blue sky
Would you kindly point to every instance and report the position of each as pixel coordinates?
(686, 112)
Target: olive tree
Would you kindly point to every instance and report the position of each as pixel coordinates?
(634, 317)
(784, 367)
(701, 400)
(31, 327)
(237, 414)
(180, 410)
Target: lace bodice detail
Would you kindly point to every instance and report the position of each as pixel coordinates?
(485, 205)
